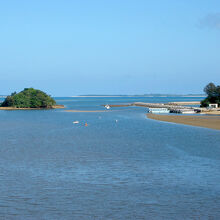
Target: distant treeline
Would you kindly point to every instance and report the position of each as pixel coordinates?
(213, 95)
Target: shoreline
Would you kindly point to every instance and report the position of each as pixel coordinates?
(185, 103)
(118, 96)
(173, 105)
(53, 107)
(84, 111)
(204, 121)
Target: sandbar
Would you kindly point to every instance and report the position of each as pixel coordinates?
(212, 112)
(185, 103)
(212, 122)
(121, 105)
(87, 111)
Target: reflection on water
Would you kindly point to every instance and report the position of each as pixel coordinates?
(136, 168)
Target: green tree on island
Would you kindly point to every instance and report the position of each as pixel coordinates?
(213, 95)
(29, 98)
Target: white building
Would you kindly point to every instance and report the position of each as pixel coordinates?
(213, 105)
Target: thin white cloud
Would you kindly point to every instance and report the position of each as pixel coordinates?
(211, 21)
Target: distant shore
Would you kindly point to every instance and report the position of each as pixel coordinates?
(106, 96)
(212, 122)
(13, 108)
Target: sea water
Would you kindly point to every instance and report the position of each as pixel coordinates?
(121, 166)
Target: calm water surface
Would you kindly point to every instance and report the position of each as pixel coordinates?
(136, 168)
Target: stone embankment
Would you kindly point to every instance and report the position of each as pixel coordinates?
(173, 107)
(169, 106)
(161, 105)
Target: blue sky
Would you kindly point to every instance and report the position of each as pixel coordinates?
(109, 47)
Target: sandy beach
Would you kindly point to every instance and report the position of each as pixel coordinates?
(212, 112)
(87, 111)
(212, 122)
(185, 103)
(121, 105)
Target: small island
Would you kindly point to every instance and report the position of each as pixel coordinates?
(29, 98)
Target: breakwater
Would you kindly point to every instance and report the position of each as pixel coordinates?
(170, 106)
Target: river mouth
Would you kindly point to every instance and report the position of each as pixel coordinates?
(121, 166)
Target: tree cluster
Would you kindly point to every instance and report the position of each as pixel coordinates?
(213, 95)
(29, 98)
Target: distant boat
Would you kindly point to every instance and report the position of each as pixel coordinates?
(183, 111)
(107, 106)
(76, 122)
(158, 110)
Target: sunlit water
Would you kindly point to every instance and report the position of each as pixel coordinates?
(135, 168)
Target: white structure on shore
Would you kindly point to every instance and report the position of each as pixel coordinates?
(213, 105)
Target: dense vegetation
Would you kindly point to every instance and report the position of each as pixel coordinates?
(29, 98)
(213, 95)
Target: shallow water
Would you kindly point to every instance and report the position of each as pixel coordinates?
(136, 168)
